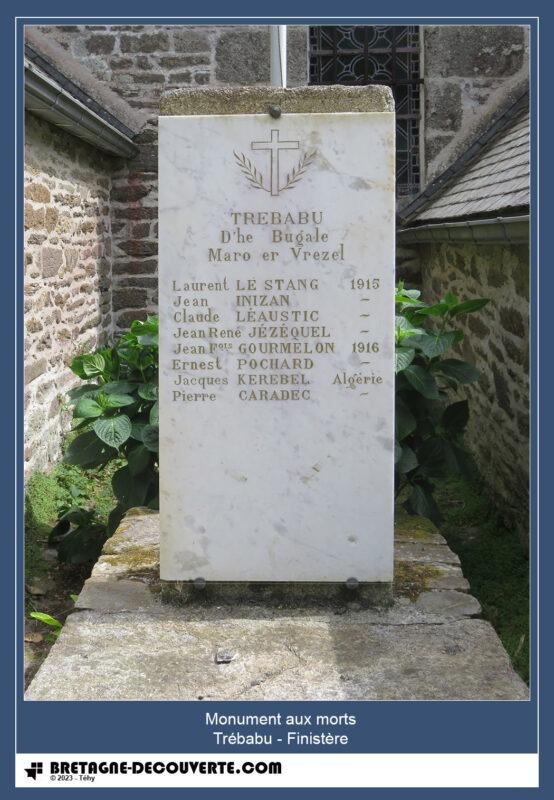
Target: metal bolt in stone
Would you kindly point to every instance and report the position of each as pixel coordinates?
(224, 655)
(199, 583)
(274, 111)
(352, 583)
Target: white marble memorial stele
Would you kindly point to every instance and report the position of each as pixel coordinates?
(277, 347)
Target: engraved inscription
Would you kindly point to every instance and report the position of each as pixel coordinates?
(273, 332)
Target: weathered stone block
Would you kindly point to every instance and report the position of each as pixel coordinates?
(125, 319)
(180, 77)
(52, 259)
(146, 136)
(444, 106)
(100, 44)
(142, 212)
(147, 157)
(242, 56)
(520, 272)
(172, 62)
(34, 217)
(469, 50)
(297, 55)
(128, 298)
(477, 326)
(519, 355)
(495, 276)
(120, 63)
(37, 192)
(139, 248)
(129, 193)
(143, 267)
(190, 40)
(33, 326)
(502, 389)
(512, 321)
(71, 257)
(145, 42)
(35, 368)
(143, 62)
(141, 230)
(149, 77)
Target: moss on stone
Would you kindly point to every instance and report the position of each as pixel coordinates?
(134, 558)
(411, 579)
(257, 99)
(139, 511)
(412, 526)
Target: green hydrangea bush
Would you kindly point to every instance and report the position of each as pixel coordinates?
(429, 427)
(115, 416)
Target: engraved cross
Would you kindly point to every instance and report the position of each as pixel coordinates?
(274, 146)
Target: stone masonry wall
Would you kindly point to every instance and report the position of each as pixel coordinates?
(469, 72)
(67, 275)
(497, 342)
(139, 63)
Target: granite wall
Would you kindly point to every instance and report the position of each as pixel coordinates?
(497, 342)
(469, 72)
(139, 63)
(68, 275)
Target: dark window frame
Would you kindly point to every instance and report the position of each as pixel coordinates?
(377, 54)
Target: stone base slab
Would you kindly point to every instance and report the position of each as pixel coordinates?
(124, 643)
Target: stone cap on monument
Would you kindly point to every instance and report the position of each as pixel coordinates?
(257, 99)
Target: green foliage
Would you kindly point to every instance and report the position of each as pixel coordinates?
(41, 506)
(115, 416)
(48, 496)
(78, 535)
(493, 561)
(54, 624)
(429, 429)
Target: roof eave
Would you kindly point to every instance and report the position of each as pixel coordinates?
(497, 230)
(45, 98)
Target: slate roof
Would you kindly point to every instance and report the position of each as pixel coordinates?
(495, 182)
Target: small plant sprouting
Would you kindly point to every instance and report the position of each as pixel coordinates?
(54, 624)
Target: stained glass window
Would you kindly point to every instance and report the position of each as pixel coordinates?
(386, 54)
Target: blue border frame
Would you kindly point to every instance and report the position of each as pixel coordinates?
(178, 727)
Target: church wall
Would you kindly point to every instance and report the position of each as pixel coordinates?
(470, 72)
(497, 342)
(139, 63)
(67, 277)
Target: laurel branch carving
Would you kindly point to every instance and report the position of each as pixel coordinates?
(294, 176)
(254, 176)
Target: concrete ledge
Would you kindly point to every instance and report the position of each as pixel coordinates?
(124, 643)
(257, 99)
